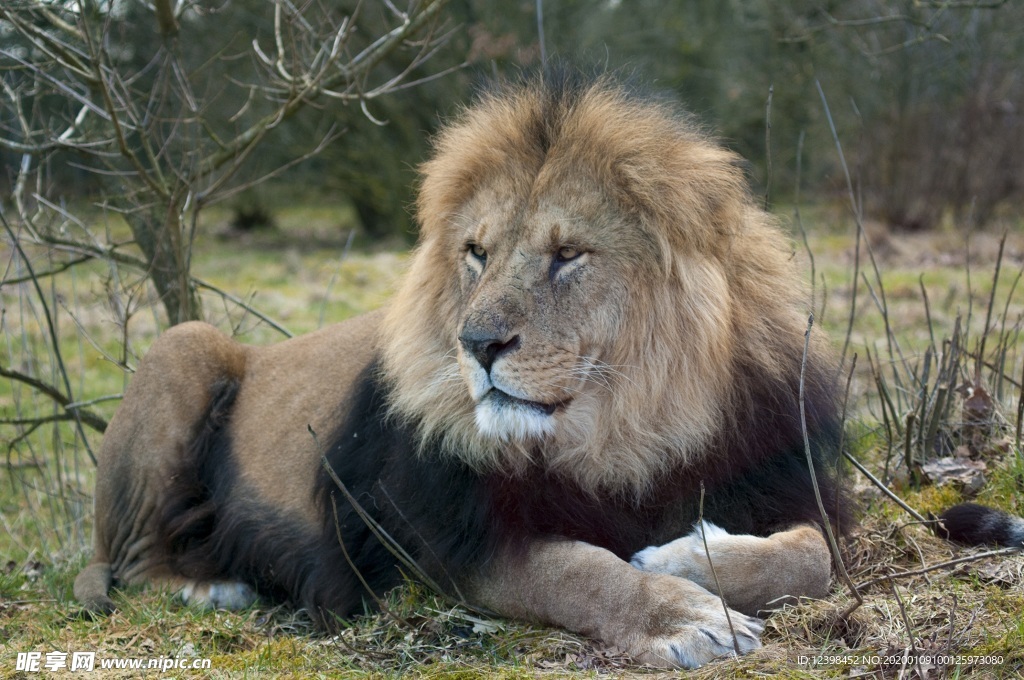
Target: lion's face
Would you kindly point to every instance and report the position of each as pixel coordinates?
(544, 285)
(579, 292)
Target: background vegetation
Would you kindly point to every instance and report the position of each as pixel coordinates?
(252, 163)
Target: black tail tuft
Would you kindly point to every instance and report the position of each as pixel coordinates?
(973, 524)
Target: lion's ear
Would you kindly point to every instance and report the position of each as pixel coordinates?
(627, 182)
(691, 192)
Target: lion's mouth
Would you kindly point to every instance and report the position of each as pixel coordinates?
(499, 398)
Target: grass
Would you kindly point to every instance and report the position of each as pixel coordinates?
(304, 276)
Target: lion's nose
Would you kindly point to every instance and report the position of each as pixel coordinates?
(486, 348)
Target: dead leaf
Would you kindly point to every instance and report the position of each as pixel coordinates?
(978, 407)
(967, 474)
(1006, 573)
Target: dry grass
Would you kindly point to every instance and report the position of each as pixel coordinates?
(974, 608)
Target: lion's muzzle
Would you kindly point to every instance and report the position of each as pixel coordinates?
(503, 410)
(485, 345)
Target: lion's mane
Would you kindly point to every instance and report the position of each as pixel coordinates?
(715, 322)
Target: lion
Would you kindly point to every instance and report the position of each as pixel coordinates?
(585, 406)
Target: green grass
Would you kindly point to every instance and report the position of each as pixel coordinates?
(302, 277)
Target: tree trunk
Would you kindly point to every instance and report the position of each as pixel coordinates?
(158, 233)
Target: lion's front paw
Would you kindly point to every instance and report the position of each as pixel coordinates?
(679, 556)
(693, 645)
(690, 628)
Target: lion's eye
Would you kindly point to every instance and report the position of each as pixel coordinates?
(563, 256)
(567, 254)
(478, 251)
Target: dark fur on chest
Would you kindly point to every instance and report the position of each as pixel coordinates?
(755, 477)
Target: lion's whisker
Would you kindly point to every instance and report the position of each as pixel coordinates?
(599, 367)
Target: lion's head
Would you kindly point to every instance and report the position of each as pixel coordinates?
(591, 276)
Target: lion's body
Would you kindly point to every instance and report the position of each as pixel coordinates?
(144, 462)
(597, 328)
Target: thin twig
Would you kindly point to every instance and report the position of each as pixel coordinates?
(826, 524)
(910, 630)
(1020, 414)
(927, 312)
(888, 492)
(49, 272)
(797, 217)
(940, 565)
(334, 277)
(842, 420)
(857, 219)
(58, 359)
(359, 574)
(459, 597)
(768, 150)
(714, 573)
(988, 311)
(200, 283)
(908, 454)
(374, 526)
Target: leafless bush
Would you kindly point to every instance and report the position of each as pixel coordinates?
(151, 125)
(137, 101)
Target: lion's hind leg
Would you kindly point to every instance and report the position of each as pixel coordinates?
(158, 455)
(753, 573)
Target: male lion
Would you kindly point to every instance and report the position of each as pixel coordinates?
(598, 341)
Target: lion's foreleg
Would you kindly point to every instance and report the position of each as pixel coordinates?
(754, 573)
(656, 618)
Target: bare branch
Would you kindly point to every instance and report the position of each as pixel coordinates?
(166, 18)
(54, 341)
(318, 83)
(74, 413)
(49, 272)
(66, 55)
(332, 135)
(939, 565)
(248, 308)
